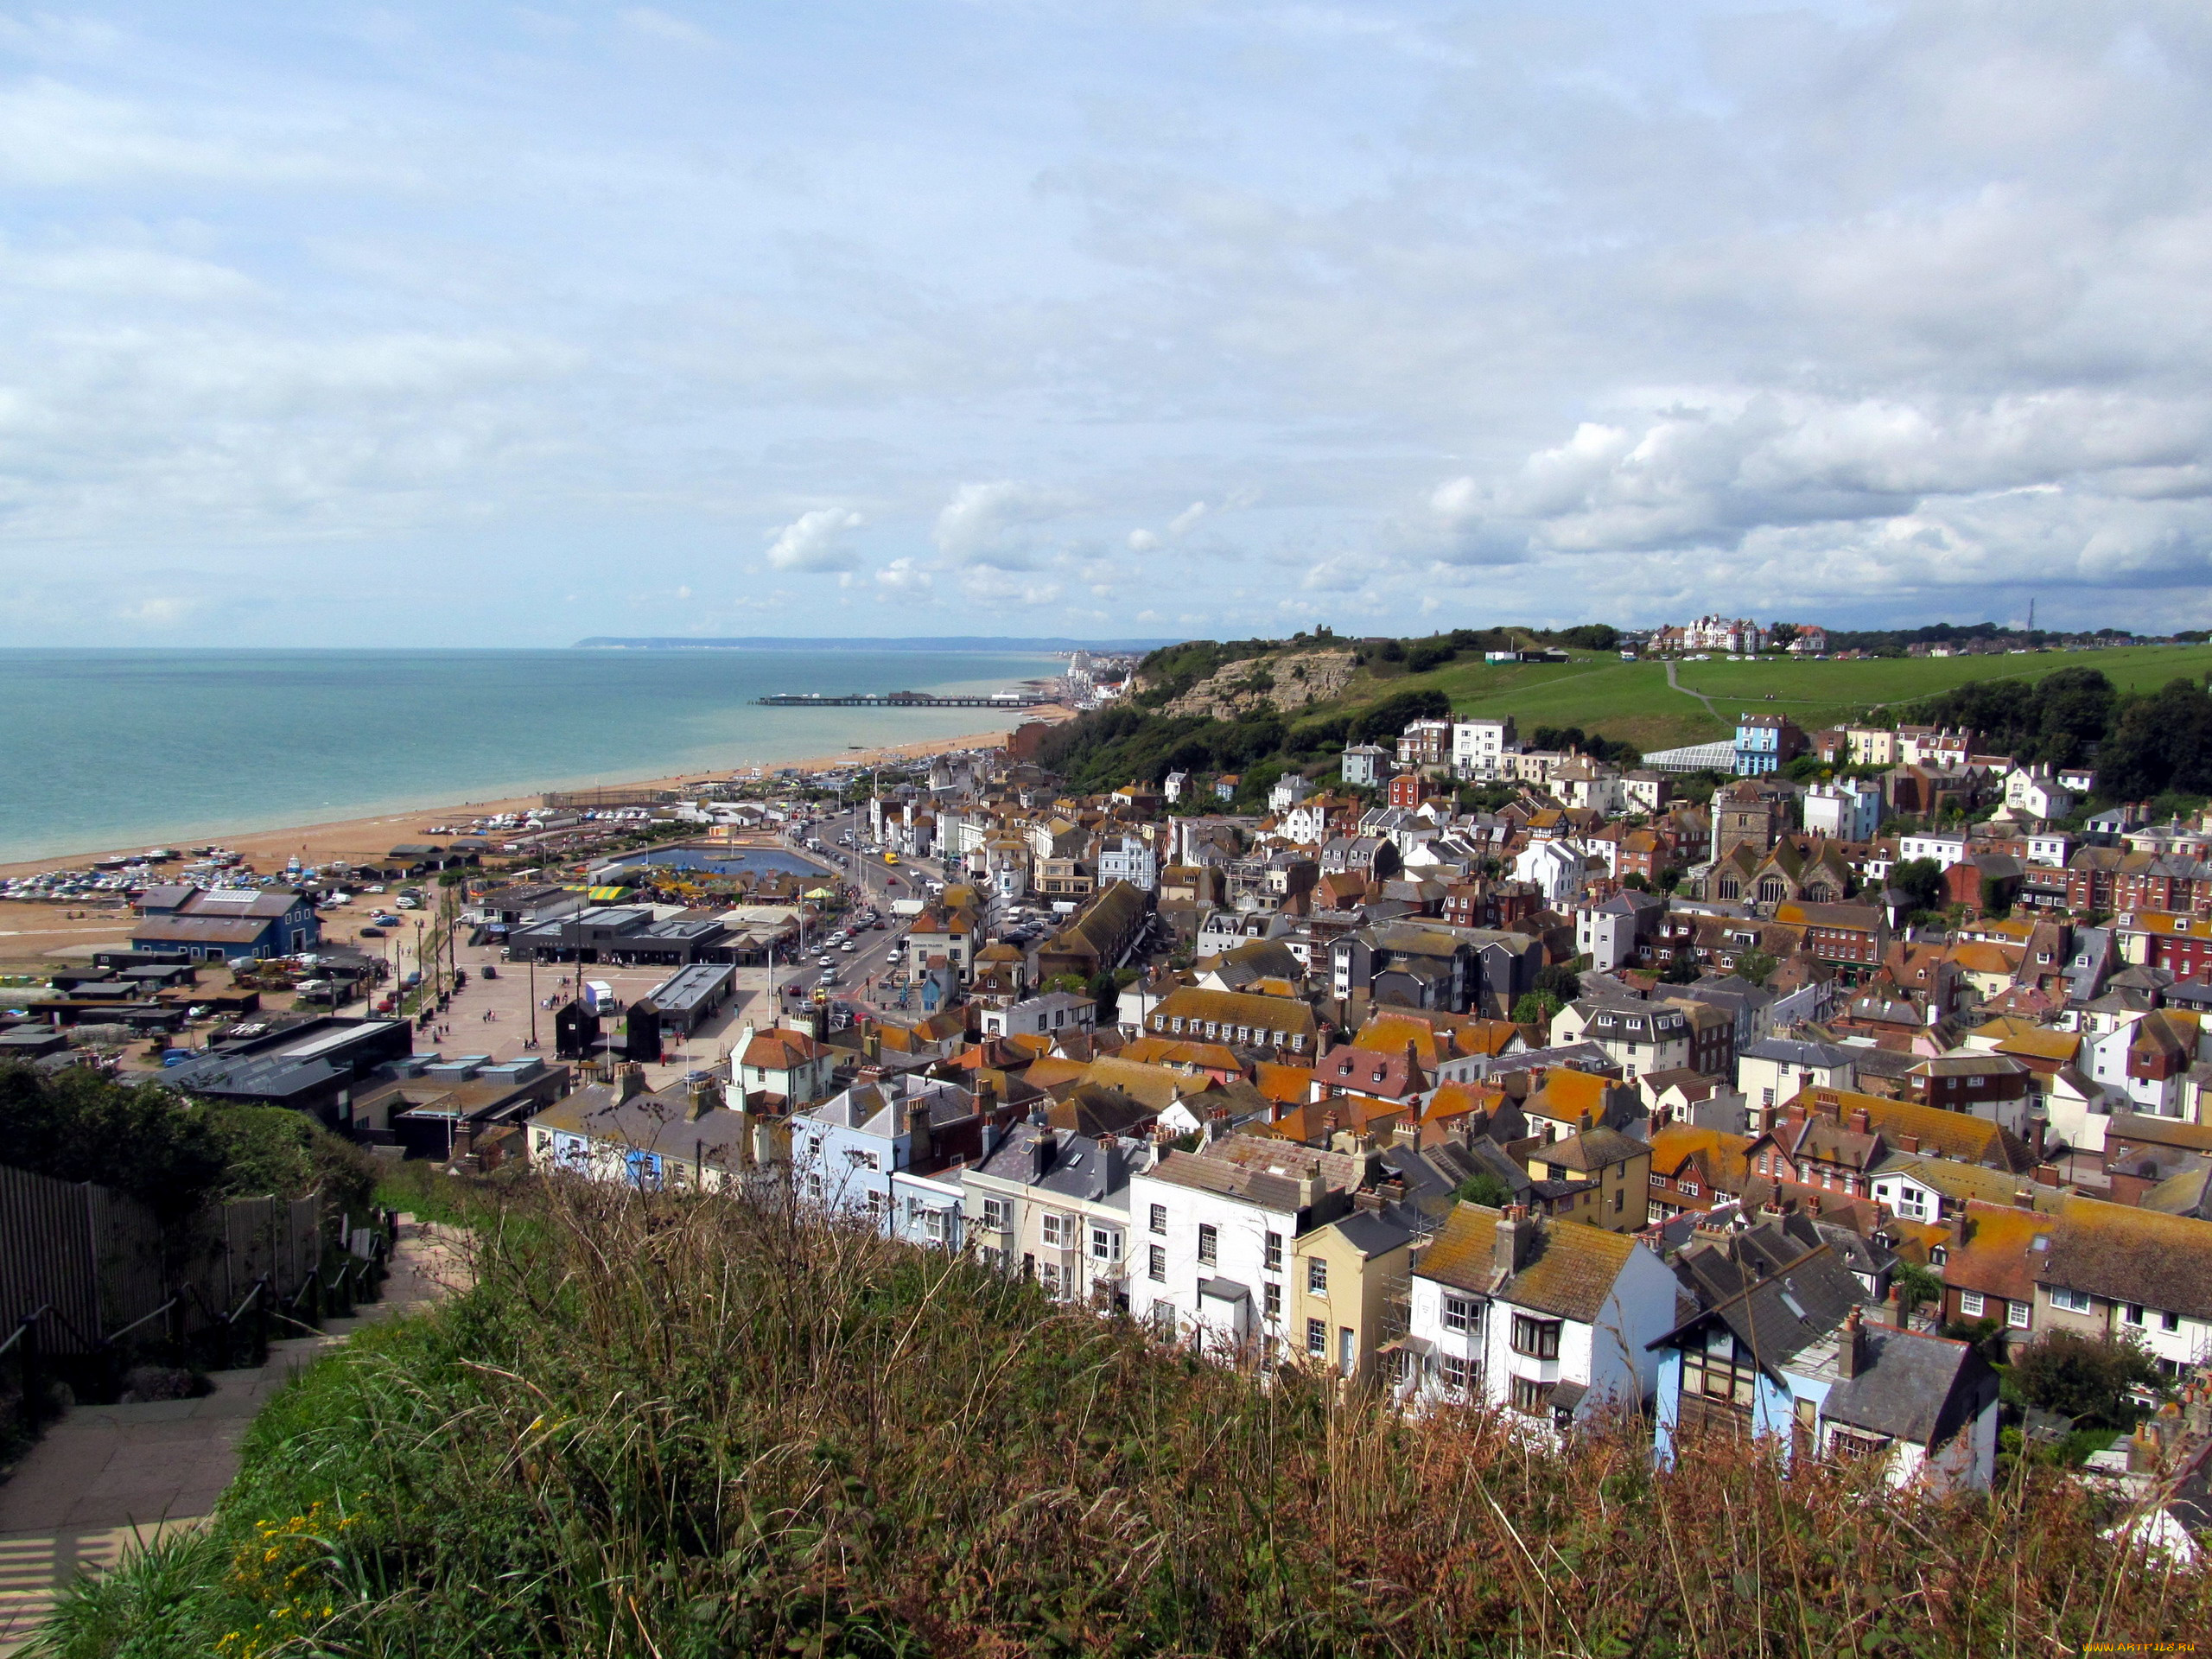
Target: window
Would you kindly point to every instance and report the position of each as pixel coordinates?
(1105, 1244)
(1275, 1253)
(1970, 1303)
(1059, 1232)
(1317, 1338)
(1537, 1338)
(1271, 1299)
(1155, 1264)
(2134, 1314)
(933, 1226)
(1849, 1445)
(1720, 1385)
(1531, 1396)
(2170, 1321)
(1209, 1242)
(1658, 1180)
(995, 1216)
(1159, 1218)
(1317, 1276)
(2017, 1315)
(2072, 1301)
(1048, 1275)
(875, 1207)
(1454, 1371)
(1458, 1313)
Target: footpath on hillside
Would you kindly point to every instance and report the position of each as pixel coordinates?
(108, 1478)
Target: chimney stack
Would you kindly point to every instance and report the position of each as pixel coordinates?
(706, 1095)
(920, 1139)
(1509, 1244)
(1850, 1350)
(629, 1083)
(1861, 1122)
(1908, 1143)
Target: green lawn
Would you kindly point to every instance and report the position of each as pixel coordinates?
(1632, 700)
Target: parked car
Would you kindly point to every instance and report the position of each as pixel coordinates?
(373, 932)
(490, 972)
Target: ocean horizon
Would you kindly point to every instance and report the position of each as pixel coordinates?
(123, 746)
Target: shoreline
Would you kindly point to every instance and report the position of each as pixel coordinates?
(372, 834)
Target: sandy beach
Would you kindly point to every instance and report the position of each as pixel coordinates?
(373, 837)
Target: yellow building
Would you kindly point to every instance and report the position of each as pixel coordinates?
(1600, 1177)
(1349, 1286)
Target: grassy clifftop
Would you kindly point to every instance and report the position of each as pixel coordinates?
(1632, 701)
(681, 1427)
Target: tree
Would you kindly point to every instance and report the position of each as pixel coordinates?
(2159, 742)
(1073, 983)
(1535, 1009)
(1921, 879)
(1637, 880)
(1391, 718)
(1486, 1189)
(1681, 970)
(1757, 966)
(1106, 991)
(2087, 1378)
(1560, 981)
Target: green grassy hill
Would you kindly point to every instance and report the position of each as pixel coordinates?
(1632, 701)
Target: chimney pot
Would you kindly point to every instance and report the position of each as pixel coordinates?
(1851, 1352)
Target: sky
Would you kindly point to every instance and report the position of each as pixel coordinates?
(505, 326)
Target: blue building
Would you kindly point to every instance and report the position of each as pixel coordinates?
(1779, 1349)
(1766, 743)
(891, 1152)
(233, 922)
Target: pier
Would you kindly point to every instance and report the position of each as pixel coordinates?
(906, 700)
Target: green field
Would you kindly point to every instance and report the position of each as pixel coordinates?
(1632, 701)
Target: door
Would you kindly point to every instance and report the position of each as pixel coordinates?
(1347, 1350)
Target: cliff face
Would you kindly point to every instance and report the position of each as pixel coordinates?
(1283, 683)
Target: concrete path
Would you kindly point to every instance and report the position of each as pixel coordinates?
(106, 1479)
(1686, 692)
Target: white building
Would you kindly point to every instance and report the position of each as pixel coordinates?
(1056, 1014)
(1215, 1234)
(1478, 747)
(1850, 808)
(1368, 764)
(1550, 1319)
(1945, 849)
(1289, 790)
(2035, 793)
(1128, 859)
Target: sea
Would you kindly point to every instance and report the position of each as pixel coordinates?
(137, 748)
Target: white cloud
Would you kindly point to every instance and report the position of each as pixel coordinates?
(661, 25)
(990, 524)
(904, 575)
(1143, 541)
(1185, 521)
(816, 541)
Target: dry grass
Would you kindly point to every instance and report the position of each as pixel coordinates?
(670, 1426)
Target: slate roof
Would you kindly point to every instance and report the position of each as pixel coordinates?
(650, 1123)
(1906, 1387)
(1778, 1286)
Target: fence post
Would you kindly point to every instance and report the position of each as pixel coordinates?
(34, 1388)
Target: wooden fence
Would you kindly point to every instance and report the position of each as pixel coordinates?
(96, 1257)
